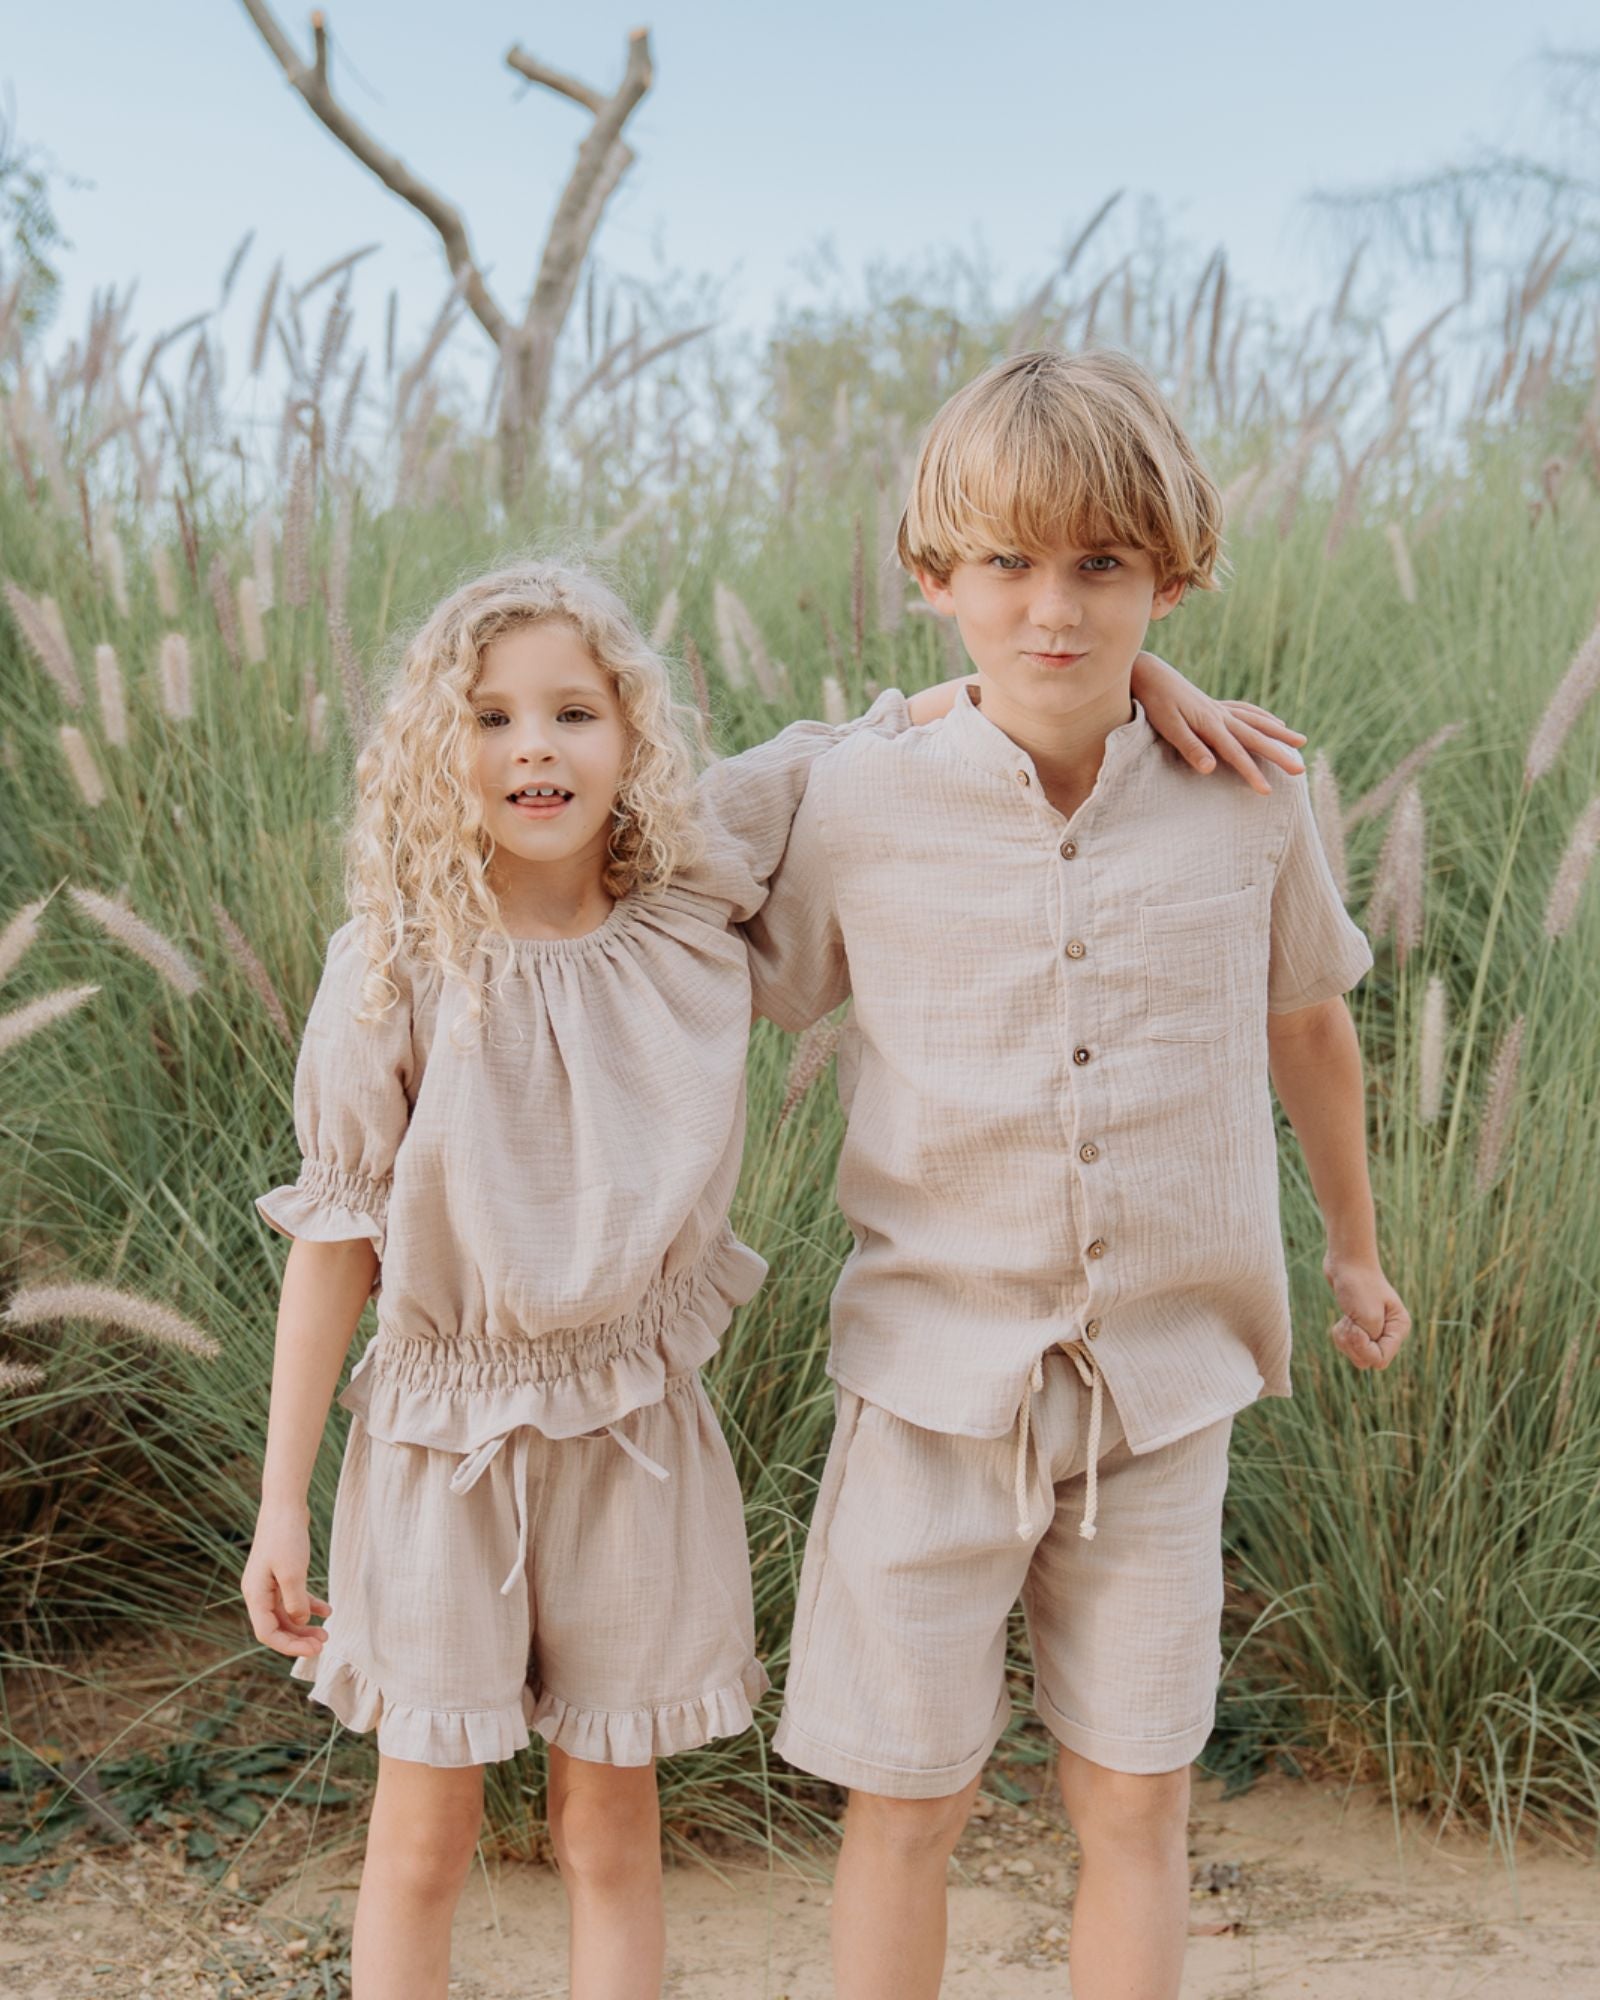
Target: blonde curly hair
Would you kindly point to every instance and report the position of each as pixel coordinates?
(417, 857)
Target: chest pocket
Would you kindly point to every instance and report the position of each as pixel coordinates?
(1197, 963)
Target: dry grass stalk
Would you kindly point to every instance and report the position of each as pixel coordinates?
(220, 585)
(18, 934)
(80, 762)
(252, 633)
(730, 643)
(1398, 887)
(356, 705)
(113, 703)
(666, 621)
(1573, 872)
(1404, 574)
(44, 639)
(166, 580)
(835, 707)
(258, 346)
(1497, 1108)
(113, 562)
(858, 591)
(24, 1021)
(1577, 684)
(159, 953)
(261, 548)
(813, 1053)
(336, 585)
(317, 720)
(1430, 1064)
(177, 682)
(1563, 1410)
(1326, 811)
(40, 1304)
(1372, 804)
(16, 1377)
(297, 534)
(239, 950)
(697, 675)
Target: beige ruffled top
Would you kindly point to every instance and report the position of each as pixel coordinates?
(548, 1195)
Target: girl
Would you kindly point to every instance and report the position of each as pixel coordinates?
(520, 1099)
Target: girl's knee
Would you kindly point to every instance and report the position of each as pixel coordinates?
(605, 1824)
(425, 1826)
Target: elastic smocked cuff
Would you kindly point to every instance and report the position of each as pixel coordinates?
(630, 1737)
(327, 1206)
(448, 1738)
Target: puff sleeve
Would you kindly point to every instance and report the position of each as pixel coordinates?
(1317, 952)
(748, 803)
(352, 1102)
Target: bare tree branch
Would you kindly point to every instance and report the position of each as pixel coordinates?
(553, 79)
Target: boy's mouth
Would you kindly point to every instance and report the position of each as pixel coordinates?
(1055, 659)
(539, 801)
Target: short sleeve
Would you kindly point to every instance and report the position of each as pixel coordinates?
(798, 968)
(748, 804)
(351, 1108)
(1317, 953)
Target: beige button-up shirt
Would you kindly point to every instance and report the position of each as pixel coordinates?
(1055, 1068)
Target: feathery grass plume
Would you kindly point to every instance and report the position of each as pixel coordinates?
(835, 707)
(1563, 1411)
(18, 935)
(769, 673)
(1577, 684)
(18, 1376)
(336, 584)
(261, 550)
(1372, 804)
(666, 621)
(1404, 574)
(177, 683)
(254, 971)
(24, 1021)
(258, 346)
(697, 675)
(42, 637)
(730, 646)
(220, 585)
(1572, 873)
(297, 534)
(38, 1305)
(158, 952)
(113, 706)
(113, 562)
(858, 590)
(50, 612)
(1397, 891)
(356, 705)
(1497, 1106)
(1330, 821)
(166, 580)
(252, 633)
(314, 706)
(813, 1053)
(80, 762)
(1430, 1061)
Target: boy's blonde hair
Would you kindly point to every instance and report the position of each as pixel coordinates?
(417, 858)
(1049, 446)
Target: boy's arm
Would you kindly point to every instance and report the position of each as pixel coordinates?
(798, 968)
(1315, 1062)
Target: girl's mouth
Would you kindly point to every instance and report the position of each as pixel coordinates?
(539, 801)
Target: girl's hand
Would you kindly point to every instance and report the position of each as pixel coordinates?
(1196, 726)
(1374, 1322)
(928, 704)
(274, 1584)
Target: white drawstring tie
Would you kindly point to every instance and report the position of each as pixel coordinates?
(1089, 1372)
(476, 1462)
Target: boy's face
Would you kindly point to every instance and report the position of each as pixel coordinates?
(1056, 632)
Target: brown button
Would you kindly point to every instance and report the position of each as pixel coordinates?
(1023, 778)
(1091, 1328)
(1090, 1152)
(1080, 1055)
(1097, 1248)
(1076, 948)
(1068, 849)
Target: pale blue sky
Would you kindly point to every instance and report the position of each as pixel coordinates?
(891, 129)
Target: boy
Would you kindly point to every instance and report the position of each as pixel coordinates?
(1073, 963)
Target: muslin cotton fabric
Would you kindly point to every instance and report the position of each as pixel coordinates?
(1055, 1066)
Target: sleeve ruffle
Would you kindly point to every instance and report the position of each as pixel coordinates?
(327, 1205)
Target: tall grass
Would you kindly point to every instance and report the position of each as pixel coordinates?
(1413, 1556)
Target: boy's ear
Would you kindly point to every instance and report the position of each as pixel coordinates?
(1168, 598)
(936, 593)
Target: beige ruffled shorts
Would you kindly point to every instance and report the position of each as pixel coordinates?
(595, 1588)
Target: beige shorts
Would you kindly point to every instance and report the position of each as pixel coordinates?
(558, 1583)
(896, 1680)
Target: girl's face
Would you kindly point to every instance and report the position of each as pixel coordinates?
(552, 744)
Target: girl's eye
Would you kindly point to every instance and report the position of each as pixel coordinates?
(490, 718)
(575, 715)
(1103, 559)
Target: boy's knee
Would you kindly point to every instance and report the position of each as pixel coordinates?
(1124, 1809)
(911, 1828)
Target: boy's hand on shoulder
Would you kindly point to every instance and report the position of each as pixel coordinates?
(1205, 732)
(929, 704)
(1373, 1323)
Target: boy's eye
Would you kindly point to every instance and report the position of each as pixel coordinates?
(1009, 564)
(1090, 560)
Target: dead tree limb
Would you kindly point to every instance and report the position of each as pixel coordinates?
(526, 347)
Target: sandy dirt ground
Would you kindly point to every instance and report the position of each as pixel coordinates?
(1299, 1889)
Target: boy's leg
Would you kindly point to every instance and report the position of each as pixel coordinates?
(889, 1905)
(1130, 1919)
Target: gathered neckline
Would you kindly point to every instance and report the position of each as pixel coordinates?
(620, 916)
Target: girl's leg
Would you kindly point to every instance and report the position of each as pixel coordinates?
(420, 1844)
(605, 1825)
(1130, 1922)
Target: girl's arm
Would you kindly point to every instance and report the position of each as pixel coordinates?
(325, 1287)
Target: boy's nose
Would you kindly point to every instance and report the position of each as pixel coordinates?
(1055, 609)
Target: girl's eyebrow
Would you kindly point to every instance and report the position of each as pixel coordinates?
(574, 691)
